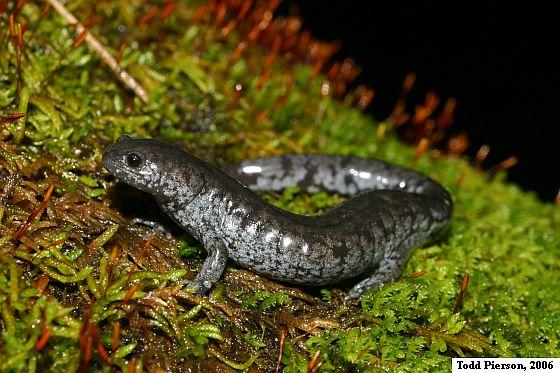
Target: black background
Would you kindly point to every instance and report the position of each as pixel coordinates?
(495, 58)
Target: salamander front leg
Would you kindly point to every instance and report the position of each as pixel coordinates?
(389, 270)
(212, 268)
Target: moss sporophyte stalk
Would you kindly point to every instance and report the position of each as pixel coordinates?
(81, 287)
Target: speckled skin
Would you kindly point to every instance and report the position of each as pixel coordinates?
(391, 210)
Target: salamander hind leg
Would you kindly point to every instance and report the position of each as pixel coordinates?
(389, 270)
(212, 268)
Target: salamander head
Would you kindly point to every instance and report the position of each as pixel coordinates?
(160, 169)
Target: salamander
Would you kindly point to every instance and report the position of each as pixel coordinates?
(390, 210)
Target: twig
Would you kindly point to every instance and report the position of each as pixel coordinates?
(98, 48)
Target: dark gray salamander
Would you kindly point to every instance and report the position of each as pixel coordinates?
(391, 210)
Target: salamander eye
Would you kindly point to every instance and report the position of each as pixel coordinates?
(134, 160)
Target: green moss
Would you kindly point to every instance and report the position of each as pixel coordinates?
(81, 268)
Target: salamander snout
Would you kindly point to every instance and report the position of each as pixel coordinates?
(154, 167)
(138, 162)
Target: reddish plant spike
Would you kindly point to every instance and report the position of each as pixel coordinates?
(418, 274)
(19, 5)
(276, 46)
(45, 9)
(481, 155)
(262, 79)
(557, 199)
(304, 41)
(266, 20)
(42, 342)
(80, 39)
(89, 22)
(34, 214)
(273, 5)
(408, 83)
(401, 119)
(247, 4)
(143, 252)
(431, 101)
(504, 165)
(398, 110)
(260, 116)
(20, 34)
(147, 246)
(10, 118)
(365, 99)
(3, 6)
(421, 114)
(318, 366)
(121, 52)
(446, 117)
(420, 150)
(130, 293)
(114, 253)
(238, 51)
(103, 353)
(458, 144)
(313, 362)
(146, 18)
(86, 344)
(12, 25)
(220, 14)
(464, 284)
(116, 336)
(333, 71)
(282, 336)
(167, 11)
(228, 27)
(132, 366)
(317, 67)
(199, 13)
(269, 60)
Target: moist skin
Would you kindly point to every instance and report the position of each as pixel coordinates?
(390, 210)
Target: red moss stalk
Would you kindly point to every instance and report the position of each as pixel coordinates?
(34, 214)
(481, 155)
(281, 351)
(464, 285)
(420, 150)
(42, 342)
(311, 367)
(504, 165)
(10, 118)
